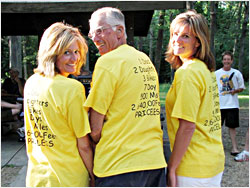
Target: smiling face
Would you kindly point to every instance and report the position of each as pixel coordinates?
(104, 37)
(67, 62)
(184, 42)
(227, 62)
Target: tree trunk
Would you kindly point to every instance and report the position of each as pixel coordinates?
(171, 17)
(189, 5)
(16, 53)
(236, 40)
(243, 36)
(213, 7)
(151, 33)
(158, 50)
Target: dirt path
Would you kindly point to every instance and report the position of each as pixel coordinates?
(236, 174)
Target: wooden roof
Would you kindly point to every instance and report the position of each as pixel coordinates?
(19, 17)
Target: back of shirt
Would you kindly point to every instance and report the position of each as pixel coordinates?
(125, 89)
(54, 119)
(193, 96)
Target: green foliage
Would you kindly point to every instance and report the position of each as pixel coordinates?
(245, 91)
(31, 43)
(93, 54)
(31, 48)
(243, 96)
(11, 166)
(227, 31)
(244, 102)
(4, 57)
(164, 87)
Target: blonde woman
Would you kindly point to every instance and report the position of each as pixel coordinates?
(192, 106)
(57, 127)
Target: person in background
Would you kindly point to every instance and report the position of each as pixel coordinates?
(9, 111)
(13, 85)
(12, 89)
(57, 127)
(230, 82)
(124, 109)
(192, 106)
(244, 155)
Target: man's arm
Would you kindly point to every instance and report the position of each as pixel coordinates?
(20, 85)
(236, 91)
(86, 153)
(96, 123)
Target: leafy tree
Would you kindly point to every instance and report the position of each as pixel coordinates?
(30, 48)
(4, 57)
(229, 22)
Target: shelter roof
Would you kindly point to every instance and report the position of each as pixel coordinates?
(31, 17)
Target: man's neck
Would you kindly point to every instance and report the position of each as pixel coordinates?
(226, 69)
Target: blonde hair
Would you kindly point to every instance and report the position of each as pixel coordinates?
(198, 26)
(55, 40)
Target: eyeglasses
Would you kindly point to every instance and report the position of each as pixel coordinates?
(99, 31)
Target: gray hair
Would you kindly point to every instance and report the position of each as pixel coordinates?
(113, 17)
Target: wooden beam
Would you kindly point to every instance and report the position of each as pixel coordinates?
(130, 28)
(85, 6)
(15, 59)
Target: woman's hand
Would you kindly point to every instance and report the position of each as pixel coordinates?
(92, 182)
(171, 178)
(182, 139)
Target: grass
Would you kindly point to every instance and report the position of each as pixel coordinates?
(243, 96)
(245, 91)
(163, 92)
(10, 166)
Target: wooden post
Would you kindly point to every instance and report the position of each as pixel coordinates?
(87, 61)
(129, 19)
(16, 53)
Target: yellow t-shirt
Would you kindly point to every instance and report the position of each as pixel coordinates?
(194, 97)
(125, 89)
(54, 118)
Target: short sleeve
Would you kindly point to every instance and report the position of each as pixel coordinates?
(102, 90)
(78, 115)
(187, 101)
(240, 80)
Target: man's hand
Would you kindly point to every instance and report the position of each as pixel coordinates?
(232, 92)
(17, 79)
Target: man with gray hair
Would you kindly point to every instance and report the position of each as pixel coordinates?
(124, 109)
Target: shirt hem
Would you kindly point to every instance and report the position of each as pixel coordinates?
(113, 173)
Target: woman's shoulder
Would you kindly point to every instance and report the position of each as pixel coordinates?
(68, 81)
(192, 66)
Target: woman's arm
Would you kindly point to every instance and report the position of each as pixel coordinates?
(182, 140)
(86, 153)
